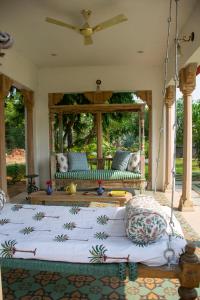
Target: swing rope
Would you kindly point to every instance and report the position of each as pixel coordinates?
(163, 92)
(169, 253)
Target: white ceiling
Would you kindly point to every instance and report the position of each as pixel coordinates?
(146, 30)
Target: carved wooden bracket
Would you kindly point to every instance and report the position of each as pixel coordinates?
(187, 78)
(55, 98)
(98, 97)
(145, 96)
(170, 96)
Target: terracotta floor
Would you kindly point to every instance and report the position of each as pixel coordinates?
(17, 188)
(192, 217)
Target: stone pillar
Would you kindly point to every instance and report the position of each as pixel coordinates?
(147, 97)
(187, 82)
(29, 103)
(5, 85)
(169, 101)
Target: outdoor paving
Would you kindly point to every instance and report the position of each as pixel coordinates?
(192, 217)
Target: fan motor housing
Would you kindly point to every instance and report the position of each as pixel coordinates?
(86, 31)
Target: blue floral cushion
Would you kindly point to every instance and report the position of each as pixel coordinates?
(145, 221)
(120, 160)
(77, 161)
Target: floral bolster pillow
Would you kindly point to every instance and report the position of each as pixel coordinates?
(2, 199)
(145, 221)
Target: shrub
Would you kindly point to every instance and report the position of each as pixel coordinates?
(16, 172)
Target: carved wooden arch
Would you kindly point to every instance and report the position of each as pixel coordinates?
(5, 85)
(28, 97)
(146, 96)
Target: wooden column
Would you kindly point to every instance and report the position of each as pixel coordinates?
(187, 81)
(60, 120)
(99, 140)
(5, 85)
(142, 143)
(29, 104)
(169, 101)
(189, 276)
(147, 97)
(51, 133)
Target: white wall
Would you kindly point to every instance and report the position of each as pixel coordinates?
(20, 69)
(188, 49)
(80, 79)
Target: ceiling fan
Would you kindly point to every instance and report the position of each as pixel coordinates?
(86, 30)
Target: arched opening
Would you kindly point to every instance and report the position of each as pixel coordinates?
(15, 142)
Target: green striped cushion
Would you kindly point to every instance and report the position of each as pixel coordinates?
(98, 175)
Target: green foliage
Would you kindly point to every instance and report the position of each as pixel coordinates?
(196, 128)
(179, 166)
(120, 130)
(179, 120)
(16, 172)
(14, 120)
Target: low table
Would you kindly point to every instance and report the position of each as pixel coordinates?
(41, 197)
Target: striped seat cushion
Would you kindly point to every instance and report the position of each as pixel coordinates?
(98, 175)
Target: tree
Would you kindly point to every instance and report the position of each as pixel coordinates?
(179, 120)
(196, 128)
(119, 129)
(14, 120)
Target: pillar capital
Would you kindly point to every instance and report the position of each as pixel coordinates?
(187, 78)
(170, 96)
(145, 96)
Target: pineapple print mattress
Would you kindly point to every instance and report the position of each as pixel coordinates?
(78, 234)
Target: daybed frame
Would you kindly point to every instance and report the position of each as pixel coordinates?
(188, 270)
(96, 109)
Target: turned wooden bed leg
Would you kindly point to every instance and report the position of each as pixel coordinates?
(189, 273)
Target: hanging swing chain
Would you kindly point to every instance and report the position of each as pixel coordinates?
(169, 252)
(176, 80)
(163, 92)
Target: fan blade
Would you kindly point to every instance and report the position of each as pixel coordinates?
(60, 23)
(88, 40)
(111, 22)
